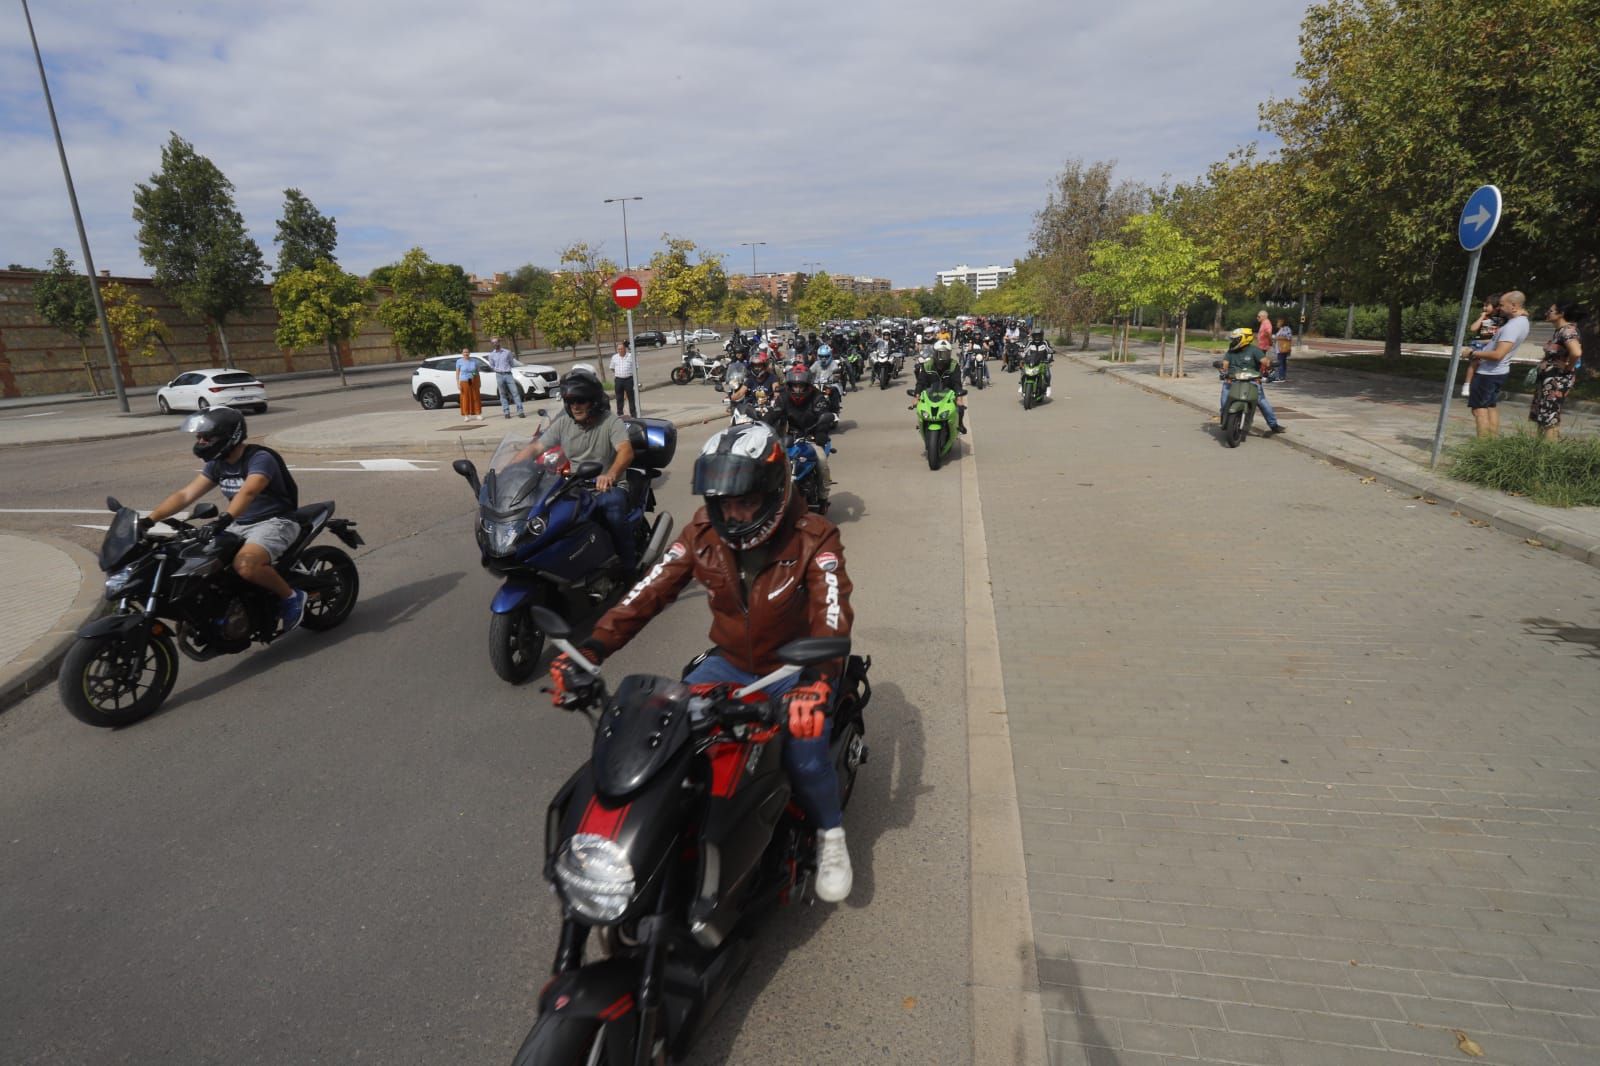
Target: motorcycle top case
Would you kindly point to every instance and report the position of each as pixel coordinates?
(654, 440)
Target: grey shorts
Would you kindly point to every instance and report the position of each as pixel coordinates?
(273, 534)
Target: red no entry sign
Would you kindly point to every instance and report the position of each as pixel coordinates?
(627, 292)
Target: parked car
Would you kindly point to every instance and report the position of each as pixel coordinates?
(218, 387)
(434, 384)
(674, 337)
(650, 338)
(703, 334)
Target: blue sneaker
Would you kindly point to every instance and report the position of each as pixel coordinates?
(292, 611)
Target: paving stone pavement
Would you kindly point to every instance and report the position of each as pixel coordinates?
(1307, 768)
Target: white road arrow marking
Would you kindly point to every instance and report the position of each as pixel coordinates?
(1481, 217)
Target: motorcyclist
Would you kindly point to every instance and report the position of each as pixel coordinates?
(803, 408)
(774, 572)
(1243, 354)
(827, 371)
(586, 429)
(942, 366)
(1041, 350)
(260, 494)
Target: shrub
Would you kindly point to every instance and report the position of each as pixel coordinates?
(1564, 472)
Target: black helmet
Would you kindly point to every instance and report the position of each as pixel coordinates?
(582, 387)
(798, 380)
(736, 462)
(217, 432)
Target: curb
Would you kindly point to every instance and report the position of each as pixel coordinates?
(35, 669)
(1472, 503)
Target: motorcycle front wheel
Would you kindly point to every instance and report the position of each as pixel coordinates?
(515, 644)
(1233, 428)
(559, 1040)
(681, 375)
(1027, 397)
(105, 683)
(934, 439)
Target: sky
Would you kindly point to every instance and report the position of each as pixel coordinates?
(886, 139)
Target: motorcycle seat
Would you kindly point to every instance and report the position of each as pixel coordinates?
(308, 515)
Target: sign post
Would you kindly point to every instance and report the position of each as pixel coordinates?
(1479, 219)
(627, 292)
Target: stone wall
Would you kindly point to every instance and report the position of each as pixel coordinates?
(38, 360)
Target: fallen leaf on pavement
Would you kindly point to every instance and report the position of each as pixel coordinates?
(1368, 480)
(1466, 1045)
(1427, 501)
(1455, 514)
(1535, 542)
(911, 1003)
(1477, 521)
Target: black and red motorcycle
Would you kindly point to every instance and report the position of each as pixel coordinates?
(669, 846)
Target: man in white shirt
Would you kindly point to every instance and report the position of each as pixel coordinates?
(1494, 364)
(623, 365)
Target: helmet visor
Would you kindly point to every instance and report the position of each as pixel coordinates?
(726, 475)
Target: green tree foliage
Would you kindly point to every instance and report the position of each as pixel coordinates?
(586, 276)
(954, 299)
(135, 327)
(742, 310)
(533, 284)
(429, 312)
(505, 314)
(822, 301)
(563, 318)
(1085, 205)
(193, 238)
(320, 304)
(1020, 295)
(417, 276)
(681, 289)
(305, 235)
(62, 298)
(1405, 106)
(1172, 273)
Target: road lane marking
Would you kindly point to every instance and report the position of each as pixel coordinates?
(374, 466)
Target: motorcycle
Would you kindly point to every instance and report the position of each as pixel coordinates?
(1013, 357)
(975, 367)
(175, 590)
(1032, 386)
(1244, 397)
(852, 363)
(883, 368)
(669, 846)
(540, 529)
(805, 467)
(937, 420)
(696, 365)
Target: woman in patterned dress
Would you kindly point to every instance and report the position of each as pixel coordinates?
(1559, 370)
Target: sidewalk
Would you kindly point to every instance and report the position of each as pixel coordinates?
(52, 587)
(1382, 427)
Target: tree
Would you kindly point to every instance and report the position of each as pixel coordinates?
(563, 319)
(822, 301)
(424, 312)
(742, 310)
(192, 236)
(954, 298)
(1084, 205)
(1116, 281)
(417, 276)
(135, 328)
(1019, 296)
(305, 235)
(320, 304)
(1170, 273)
(62, 298)
(533, 284)
(679, 288)
(587, 276)
(505, 314)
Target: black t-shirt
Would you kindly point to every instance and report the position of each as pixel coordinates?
(278, 498)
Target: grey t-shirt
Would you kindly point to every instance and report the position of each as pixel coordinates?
(600, 441)
(1516, 331)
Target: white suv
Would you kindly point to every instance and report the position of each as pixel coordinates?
(434, 384)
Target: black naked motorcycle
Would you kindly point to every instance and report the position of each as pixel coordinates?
(176, 591)
(669, 846)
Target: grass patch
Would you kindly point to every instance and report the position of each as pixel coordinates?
(1198, 342)
(1564, 472)
(1426, 368)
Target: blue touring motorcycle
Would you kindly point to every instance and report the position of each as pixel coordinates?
(540, 530)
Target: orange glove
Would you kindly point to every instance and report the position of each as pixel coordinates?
(808, 709)
(570, 684)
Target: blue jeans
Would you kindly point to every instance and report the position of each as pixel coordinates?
(613, 504)
(811, 770)
(1266, 404)
(509, 393)
(1283, 366)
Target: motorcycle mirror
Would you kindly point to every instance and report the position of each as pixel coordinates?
(808, 651)
(465, 468)
(717, 385)
(1216, 364)
(541, 412)
(205, 510)
(553, 624)
(113, 504)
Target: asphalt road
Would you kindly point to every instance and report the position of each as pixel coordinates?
(330, 849)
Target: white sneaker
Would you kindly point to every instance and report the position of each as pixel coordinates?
(833, 866)
(1047, 392)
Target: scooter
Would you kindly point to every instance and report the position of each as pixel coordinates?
(1244, 397)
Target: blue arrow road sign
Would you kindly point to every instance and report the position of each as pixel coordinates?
(1479, 218)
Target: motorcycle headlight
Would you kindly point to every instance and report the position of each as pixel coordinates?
(118, 582)
(537, 526)
(596, 877)
(499, 538)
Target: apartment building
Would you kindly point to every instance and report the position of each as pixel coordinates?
(777, 287)
(978, 279)
(860, 284)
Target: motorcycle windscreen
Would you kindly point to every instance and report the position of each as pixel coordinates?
(644, 727)
(520, 473)
(121, 538)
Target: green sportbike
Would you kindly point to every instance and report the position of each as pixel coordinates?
(1034, 385)
(937, 419)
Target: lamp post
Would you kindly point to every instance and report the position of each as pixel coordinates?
(627, 265)
(83, 237)
(753, 245)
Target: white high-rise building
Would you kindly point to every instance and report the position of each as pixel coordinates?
(978, 279)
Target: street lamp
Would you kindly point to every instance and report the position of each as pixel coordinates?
(628, 265)
(623, 200)
(752, 245)
(83, 237)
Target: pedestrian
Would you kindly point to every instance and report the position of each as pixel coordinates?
(467, 381)
(1483, 331)
(623, 367)
(1264, 338)
(1284, 339)
(1494, 363)
(1558, 372)
(505, 383)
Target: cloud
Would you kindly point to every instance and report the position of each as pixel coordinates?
(881, 139)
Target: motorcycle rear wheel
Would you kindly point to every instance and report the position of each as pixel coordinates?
(681, 375)
(934, 439)
(98, 687)
(331, 606)
(515, 645)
